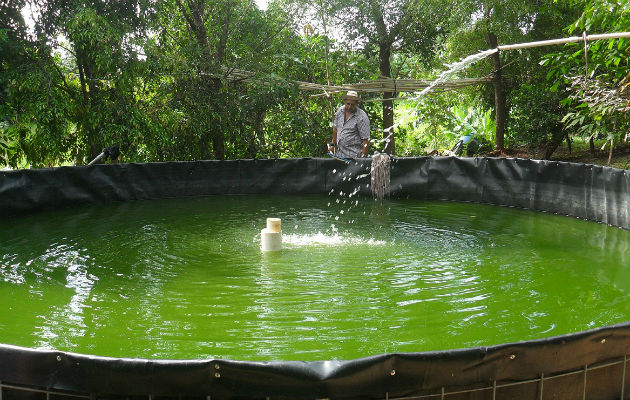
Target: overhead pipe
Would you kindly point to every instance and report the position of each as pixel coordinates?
(571, 39)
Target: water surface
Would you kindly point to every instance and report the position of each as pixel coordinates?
(185, 278)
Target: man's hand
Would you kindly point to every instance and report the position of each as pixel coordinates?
(365, 145)
(331, 147)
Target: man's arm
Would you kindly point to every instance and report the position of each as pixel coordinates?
(363, 125)
(331, 145)
(365, 145)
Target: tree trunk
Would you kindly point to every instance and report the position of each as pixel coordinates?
(194, 15)
(384, 66)
(557, 136)
(218, 137)
(218, 144)
(88, 90)
(500, 109)
(591, 145)
(204, 145)
(258, 129)
(84, 91)
(259, 135)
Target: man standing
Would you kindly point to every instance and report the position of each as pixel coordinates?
(351, 129)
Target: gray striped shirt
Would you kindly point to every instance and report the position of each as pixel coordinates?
(351, 132)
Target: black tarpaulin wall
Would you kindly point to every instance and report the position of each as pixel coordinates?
(591, 192)
(593, 364)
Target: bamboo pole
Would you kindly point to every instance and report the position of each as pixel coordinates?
(572, 39)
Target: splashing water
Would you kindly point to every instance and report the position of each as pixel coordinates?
(334, 239)
(380, 162)
(380, 175)
(444, 75)
(455, 68)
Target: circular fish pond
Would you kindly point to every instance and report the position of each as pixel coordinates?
(185, 278)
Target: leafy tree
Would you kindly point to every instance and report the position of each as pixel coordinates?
(108, 71)
(34, 109)
(220, 57)
(75, 77)
(488, 23)
(199, 79)
(596, 73)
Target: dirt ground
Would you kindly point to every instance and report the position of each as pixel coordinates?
(620, 157)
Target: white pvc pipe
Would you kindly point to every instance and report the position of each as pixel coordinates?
(572, 39)
(271, 236)
(95, 161)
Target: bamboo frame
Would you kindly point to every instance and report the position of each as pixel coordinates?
(384, 85)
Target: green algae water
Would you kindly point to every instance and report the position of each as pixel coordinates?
(185, 278)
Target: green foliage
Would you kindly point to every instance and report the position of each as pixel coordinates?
(471, 121)
(531, 105)
(441, 123)
(66, 101)
(219, 116)
(34, 108)
(202, 79)
(596, 77)
(422, 132)
(535, 115)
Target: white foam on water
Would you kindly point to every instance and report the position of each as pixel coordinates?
(327, 239)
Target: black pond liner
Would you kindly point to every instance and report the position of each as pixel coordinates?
(594, 364)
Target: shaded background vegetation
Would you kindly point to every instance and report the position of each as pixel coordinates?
(215, 79)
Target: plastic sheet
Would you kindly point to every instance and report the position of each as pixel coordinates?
(591, 192)
(595, 364)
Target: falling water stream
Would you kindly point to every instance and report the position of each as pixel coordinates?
(452, 69)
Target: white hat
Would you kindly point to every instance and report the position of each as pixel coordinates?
(351, 95)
